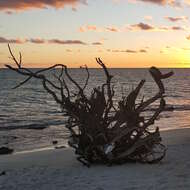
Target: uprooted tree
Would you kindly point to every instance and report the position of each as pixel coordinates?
(100, 131)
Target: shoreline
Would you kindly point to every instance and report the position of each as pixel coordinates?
(59, 169)
(169, 138)
(44, 148)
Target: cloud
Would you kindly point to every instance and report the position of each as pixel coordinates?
(20, 5)
(128, 51)
(43, 41)
(147, 27)
(112, 29)
(98, 29)
(10, 41)
(96, 43)
(91, 27)
(141, 26)
(68, 42)
(174, 3)
(172, 28)
(176, 19)
(176, 28)
(188, 37)
(46, 41)
(155, 1)
(143, 51)
(36, 41)
(88, 28)
(82, 29)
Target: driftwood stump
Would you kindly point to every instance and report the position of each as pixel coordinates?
(100, 131)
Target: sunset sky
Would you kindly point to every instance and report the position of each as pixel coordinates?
(124, 33)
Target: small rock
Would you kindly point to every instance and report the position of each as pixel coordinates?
(2, 173)
(6, 150)
(54, 142)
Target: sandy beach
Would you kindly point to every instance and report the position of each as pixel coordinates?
(108, 77)
(59, 169)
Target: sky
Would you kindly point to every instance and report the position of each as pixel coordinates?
(123, 33)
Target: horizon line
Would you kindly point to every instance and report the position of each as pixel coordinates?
(109, 67)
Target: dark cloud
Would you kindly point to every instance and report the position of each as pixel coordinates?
(13, 5)
(69, 42)
(143, 51)
(147, 27)
(130, 51)
(37, 41)
(97, 43)
(175, 3)
(142, 26)
(155, 1)
(176, 28)
(42, 41)
(172, 28)
(176, 19)
(10, 41)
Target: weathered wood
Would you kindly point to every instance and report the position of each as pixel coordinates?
(101, 132)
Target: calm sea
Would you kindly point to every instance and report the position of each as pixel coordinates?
(30, 119)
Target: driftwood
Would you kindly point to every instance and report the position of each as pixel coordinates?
(100, 131)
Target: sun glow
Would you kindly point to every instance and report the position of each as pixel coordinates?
(183, 59)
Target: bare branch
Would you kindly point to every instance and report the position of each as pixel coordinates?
(87, 78)
(23, 82)
(13, 57)
(157, 76)
(108, 84)
(156, 114)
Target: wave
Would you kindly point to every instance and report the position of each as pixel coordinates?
(175, 96)
(41, 124)
(27, 126)
(35, 126)
(181, 107)
(170, 107)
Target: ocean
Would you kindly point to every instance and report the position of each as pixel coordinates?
(30, 118)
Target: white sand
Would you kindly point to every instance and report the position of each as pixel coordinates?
(58, 169)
